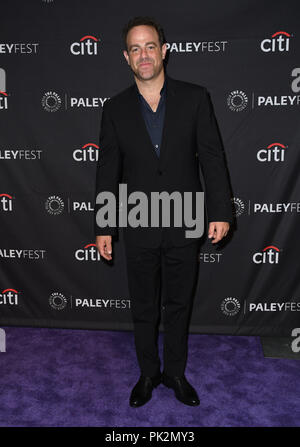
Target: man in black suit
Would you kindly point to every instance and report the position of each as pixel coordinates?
(153, 135)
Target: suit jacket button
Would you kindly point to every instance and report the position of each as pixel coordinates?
(159, 172)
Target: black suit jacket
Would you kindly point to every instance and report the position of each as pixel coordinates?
(190, 135)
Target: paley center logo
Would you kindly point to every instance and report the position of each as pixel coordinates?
(279, 42)
(106, 216)
(6, 202)
(3, 94)
(238, 206)
(269, 255)
(87, 45)
(51, 101)
(88, 152)
(57, 301)
(9, 296)
(230, 306)
(54, 205)
(237, 100)
(88, 253)
(274, 152)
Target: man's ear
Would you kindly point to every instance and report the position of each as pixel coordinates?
(126, 56)
(164, 50)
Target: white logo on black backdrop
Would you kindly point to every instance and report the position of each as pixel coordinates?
(279, 42)
(54, 205)
(273, 152)
(197, 47)
(9, 296)
(88, 253)
(57, 301)
(209, 257)
(6, 203)
(88, 152)
(88, 45)
(51, 102)
(288, 207)
(269, 255)
(238, 206)
(230, 306)
(15, 253)
(237, 100)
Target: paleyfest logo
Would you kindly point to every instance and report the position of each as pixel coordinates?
(88, 45)
(280, 41)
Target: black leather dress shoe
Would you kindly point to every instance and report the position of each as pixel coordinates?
(184, 391)
(142, 391)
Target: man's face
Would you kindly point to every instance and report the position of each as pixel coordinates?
(145, 55)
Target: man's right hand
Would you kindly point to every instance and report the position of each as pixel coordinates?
(103, 244)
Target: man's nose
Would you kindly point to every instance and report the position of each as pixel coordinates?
(144, 52)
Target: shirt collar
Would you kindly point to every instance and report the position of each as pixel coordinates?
(162, 90)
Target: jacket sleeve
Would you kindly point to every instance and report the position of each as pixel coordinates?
(108, 170)
(212, 162)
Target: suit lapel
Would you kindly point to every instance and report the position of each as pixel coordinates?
(170, 117)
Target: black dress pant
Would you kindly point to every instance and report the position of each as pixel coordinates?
(144, 282)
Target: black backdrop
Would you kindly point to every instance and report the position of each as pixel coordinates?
(59, 61)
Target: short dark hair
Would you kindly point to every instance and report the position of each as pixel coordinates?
(143, 20)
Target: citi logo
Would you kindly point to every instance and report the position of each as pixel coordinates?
(9, 296)
(273, 152)
(88, 152)
(88, 45)
(269, 255)
(6, 203)
(88, 253)
(280, 41)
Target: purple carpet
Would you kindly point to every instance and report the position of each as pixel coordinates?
(60, 377)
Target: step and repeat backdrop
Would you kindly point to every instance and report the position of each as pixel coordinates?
(59, 62)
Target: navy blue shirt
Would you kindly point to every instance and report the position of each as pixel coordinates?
(154, 120)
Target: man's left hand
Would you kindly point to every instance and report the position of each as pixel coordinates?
(217, 230)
